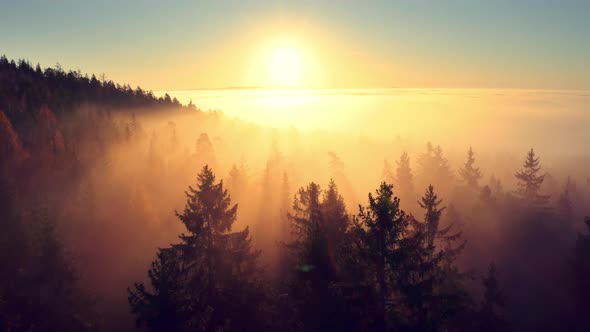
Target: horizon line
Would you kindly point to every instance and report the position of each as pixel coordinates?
(253, 88)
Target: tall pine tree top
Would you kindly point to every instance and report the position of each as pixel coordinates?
(208, 208)
(404, 175)
(430, 203)
(529, 180)
(208, 281)
(469, 173)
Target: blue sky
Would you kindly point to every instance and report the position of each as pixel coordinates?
(506, 44)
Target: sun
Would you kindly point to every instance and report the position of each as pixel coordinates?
(285, 63)
(285, 66)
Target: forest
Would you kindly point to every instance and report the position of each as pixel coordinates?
(123, 211)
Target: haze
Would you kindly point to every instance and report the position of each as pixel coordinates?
(312, 166)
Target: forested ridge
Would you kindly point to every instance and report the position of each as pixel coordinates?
(123, 211)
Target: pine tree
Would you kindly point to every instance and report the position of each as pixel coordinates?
(335, 219)
(320, 232)
(209, 279)
(530, 181)
(435, 167)
(489, 315)
(579, 274)
(430, 203)
(305, 213)
(403, 174)
(381, 228)
(388, 172)
(469, 173)
(38, 288)
(434, 291)
(564, 202)
(495, 185)
(167, 306)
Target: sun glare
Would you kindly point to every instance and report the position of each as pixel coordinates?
(285, 66)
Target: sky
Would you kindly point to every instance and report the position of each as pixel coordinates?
(176, 45)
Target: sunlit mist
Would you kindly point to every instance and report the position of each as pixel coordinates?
(295, 166)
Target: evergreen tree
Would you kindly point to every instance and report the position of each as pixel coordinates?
(388, 175)
(470, 174)
(490, 315)
(435, 167)
(320, 231)
(334, 216)
(403, 173)
(564, 203)
(208, 281)
(434, 291)
(495, 185)
(529, 180)
(167, 306)
(579, 277)
(38, 288)
(430, 203)
(381, 230)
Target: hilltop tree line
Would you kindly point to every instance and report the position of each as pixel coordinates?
(24, 89)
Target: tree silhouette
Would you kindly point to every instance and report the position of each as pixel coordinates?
(208, 281)
(435, 167)
(470, 174)
(38, 288)
(388, 174)
(320, 232)
(494, 300)
(381, 228)
(435, 295)
(335, 218)
(579, 277)
(529, 180)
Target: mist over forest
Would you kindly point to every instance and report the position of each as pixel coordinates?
(123, 210)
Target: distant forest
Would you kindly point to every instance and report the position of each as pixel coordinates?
(122, 211)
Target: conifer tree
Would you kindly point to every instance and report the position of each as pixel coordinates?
(430, 203)
(470, 174)
(319, 237)
(381, 229)
(495, 185)
(208, 281)
(579, 277)
(435, 295)
(494, 300)
(388, 175)
(435, 167)
(529, 180)
(403, 172)
(334, 216)
(564, 202)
